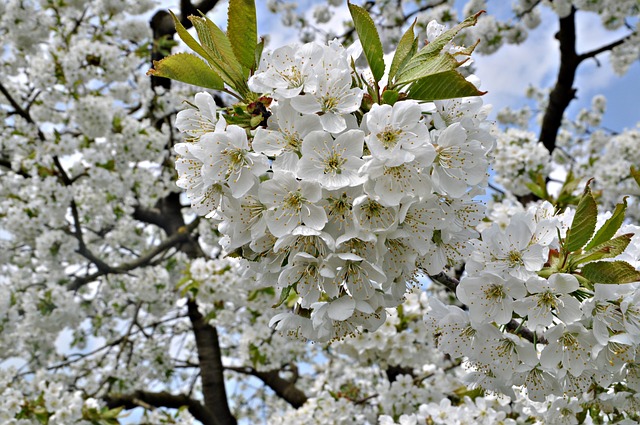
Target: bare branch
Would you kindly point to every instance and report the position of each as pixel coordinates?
(182, 235)
(451, 283)
(563, 92)
(21, 111)
(284, 388)
(605, 48)
(148, 399)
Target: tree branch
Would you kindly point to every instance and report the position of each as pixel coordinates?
(451, 283)
(285, 389)
(610, 46)
(211, 369)
(563, 92)
(182, 235)
(21, 111)
(166, 213)
(161, 399)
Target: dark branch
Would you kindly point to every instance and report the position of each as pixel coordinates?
(21, 111)
(606, 48)
(284, 388)
(162, 399)
(451, 283)
(166, 213)
(181, 236)
(211, 369)
(563, 92)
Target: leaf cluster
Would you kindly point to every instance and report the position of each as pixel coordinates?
(584, 250)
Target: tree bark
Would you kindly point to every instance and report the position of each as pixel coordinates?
(211, 369)
(161, 399)
(563, 92)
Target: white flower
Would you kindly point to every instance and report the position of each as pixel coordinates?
(283, 136)
(549, 297)
(393, 184)
(304, 274)
(284, 72)
(333, 163)
(630, 309)
(359, 276)
(201, 118)
(459, 162)
(509, 250)
(332, 98)
(229, 160)
(205, 195)
(371, 216)
(490, 297)
(243, 221)
(569, 346)
(396, 133)
(291, 203)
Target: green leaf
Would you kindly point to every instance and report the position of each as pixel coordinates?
(371, 44)
(431, 59)
(570, 184)
(635, 174)
(242, 29)
(258, 52)
(608, 249)
(610, 272)
(403, 51)
(611, 226)
(445, 85)
(187, 68)
(218, 48)
(584, 222)
(390, 97)
(187, 38)
(284, 295)
(540, 192)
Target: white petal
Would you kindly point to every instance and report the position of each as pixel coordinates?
(342, 308)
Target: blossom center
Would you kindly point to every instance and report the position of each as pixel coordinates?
(547, 299)
(515, 258)
(389, 137)
(293, 77)
(495, 292)
(569, 340)
(339, 207)
(329, 103)
(236, 158)
(333, 163)
(294, 201)
(292, 141)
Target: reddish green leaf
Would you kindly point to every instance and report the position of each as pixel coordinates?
(187, 68)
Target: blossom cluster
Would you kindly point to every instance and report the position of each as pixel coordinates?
(544, 333)
(332, 199)
(518, 157)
